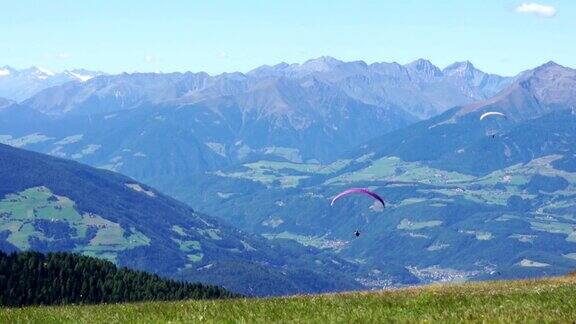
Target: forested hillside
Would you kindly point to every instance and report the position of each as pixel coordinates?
(53, 205)
(62, 278)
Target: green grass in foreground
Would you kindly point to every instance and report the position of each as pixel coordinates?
(545, 300)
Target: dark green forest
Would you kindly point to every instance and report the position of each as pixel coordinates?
(32, 278)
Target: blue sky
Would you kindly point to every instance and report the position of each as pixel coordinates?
(237, 35)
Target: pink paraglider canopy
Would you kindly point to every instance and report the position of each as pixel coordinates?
(363, 191)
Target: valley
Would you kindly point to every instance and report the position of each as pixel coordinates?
(266, 150)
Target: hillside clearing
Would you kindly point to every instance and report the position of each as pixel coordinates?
(543, 300)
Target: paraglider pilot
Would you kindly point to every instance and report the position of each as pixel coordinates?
(363, 191)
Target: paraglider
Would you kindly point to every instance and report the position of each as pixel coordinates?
(363, 191)
(358, 191)
(492, 113)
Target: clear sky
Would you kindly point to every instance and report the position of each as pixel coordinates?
(498, 36)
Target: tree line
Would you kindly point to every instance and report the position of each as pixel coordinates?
(32, 278)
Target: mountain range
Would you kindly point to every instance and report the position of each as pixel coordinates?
(265, 150)
(419, 87)
(466, 198)
(310, 112)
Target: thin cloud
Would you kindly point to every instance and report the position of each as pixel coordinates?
(149, 58)
(63, 56)
(222, 55)
(537, 9)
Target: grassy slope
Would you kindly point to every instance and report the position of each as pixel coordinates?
(544, 300)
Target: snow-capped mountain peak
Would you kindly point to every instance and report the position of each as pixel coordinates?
(43, 73)
(20, 84)
(5, 71)
(82, 75)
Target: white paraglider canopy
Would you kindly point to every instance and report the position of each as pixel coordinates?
(492, 113)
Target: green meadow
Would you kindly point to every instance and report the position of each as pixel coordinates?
(523, 301)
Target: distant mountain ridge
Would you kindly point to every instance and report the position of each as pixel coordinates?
(21, 84)
(312, 111)
(419, 87)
